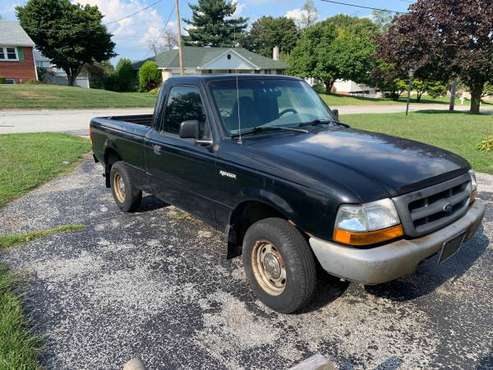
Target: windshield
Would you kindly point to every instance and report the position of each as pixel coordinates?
(266, 103)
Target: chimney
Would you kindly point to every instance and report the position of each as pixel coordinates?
(275, 53)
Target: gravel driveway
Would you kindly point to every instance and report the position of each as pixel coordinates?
(156, 285)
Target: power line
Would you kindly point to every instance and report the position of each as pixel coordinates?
(169, 16)
(134, 13)
(362, 6)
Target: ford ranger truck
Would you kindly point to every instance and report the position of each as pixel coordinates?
(264, 160)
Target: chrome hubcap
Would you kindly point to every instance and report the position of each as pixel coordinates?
(268, 267)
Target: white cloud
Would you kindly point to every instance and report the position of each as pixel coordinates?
(135, 32)
(295, 14)
(302, 16)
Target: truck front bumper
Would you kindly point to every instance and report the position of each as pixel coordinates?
(396, 259)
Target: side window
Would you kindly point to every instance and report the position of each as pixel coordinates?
(184, 104)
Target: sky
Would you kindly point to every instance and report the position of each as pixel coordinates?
(133, 35)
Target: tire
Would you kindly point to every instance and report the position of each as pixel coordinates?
(127, 197)
(283, 276)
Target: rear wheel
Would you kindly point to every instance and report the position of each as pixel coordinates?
(279, 264)
(126, 196)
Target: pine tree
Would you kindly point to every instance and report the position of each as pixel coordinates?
(212, 24)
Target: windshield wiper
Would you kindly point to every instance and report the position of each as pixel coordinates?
(317, 122)
(258, 129)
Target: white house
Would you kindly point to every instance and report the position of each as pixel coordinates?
(207, 60)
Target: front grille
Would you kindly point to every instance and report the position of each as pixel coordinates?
(432, 208)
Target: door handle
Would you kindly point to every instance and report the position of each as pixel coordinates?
(157, 149)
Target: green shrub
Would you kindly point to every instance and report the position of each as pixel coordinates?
(486, 145)
(2, 80)
(154, 91)
(149, 76)
(319, 88)
(436, 89)
(125, 75)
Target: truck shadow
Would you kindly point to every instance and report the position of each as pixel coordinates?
(151, 203)
(329, 288)
(429, 275)
(486, 362)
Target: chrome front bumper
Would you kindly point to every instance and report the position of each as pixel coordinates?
(396, 259)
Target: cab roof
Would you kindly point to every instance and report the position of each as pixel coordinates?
(226, 77)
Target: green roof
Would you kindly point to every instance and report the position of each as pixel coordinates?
(198, 56)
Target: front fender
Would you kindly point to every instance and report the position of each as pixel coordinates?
(268, 198)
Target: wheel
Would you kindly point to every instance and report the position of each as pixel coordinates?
(126, 196)
(279, 265)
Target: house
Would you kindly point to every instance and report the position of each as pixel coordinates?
(348, 87)
(208, 60)
(17, 63)
(53, 75)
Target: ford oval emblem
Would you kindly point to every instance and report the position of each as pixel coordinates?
(448, 208)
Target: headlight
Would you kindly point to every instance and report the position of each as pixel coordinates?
(368, 223)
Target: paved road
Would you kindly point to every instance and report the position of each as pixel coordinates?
(77, 121)
(72, 121)
(155, 285)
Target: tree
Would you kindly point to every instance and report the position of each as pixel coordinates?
(382, 19)
(488, 89)
(163, 42)
(387, 78)
(99, 72)
(436, 88)
(268, 32)
(444, 40)
(149, 76)
(213, 24)
(309, 14)
(71, 35)
(125, 75)
(341, 47)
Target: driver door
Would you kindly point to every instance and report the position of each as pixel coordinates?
(183, 173)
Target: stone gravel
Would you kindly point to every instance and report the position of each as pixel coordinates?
(156, 285)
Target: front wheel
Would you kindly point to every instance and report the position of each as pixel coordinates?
(279, 264)
(126, 196)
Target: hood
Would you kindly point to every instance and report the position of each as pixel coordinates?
(369, 165)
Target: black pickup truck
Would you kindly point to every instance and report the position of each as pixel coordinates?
(264, 160)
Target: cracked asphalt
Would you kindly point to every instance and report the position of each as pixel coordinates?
(156, 285)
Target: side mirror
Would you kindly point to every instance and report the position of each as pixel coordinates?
(189, 129)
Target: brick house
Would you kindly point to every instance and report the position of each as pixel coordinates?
(17, 63)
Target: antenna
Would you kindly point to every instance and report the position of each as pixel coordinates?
(238, 103)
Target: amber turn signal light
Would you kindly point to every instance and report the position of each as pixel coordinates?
(369, 237)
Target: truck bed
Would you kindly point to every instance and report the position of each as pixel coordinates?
(139, 119)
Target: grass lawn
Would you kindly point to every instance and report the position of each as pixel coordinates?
(457, 132)
(28, 160)
(18, 346)
(65, 97)
(333, 100)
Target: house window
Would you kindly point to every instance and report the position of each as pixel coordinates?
(8, 53)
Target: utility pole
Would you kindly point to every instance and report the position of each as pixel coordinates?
(409, 88)
(180, 47)
(453, 91)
